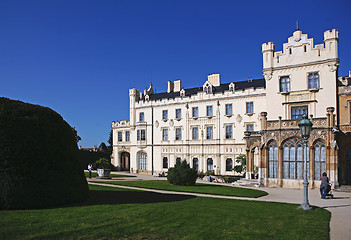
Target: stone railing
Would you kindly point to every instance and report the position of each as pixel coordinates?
(291, 124)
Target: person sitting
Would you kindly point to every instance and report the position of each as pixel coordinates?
(324, 185)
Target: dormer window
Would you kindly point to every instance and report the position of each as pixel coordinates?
(182, 93)
(232, 87)
(207, 88)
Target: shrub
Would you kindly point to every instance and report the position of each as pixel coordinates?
(182, 174)
(38, 158)
(103, 163)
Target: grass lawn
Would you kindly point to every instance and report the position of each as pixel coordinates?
(108, 215)
(94, 175)
(198, 188)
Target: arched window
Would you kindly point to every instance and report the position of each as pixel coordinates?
(165, 162)
(293, 159)
(313, 80)
(196, 164)
(178, 159)
(142, 161)
(209, 164)
(319, 159)
(229, 164)
(273, 160)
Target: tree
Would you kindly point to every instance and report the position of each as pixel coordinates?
(182, 174)
(77, 138)
(241, 167)
(110, 139)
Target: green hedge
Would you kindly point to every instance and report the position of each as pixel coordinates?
(86, 157)
(38, 158)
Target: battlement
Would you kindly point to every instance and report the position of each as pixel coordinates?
(301, 50)
(331, 35)
(122, 123)
(267, 46)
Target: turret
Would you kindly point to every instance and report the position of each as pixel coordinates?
(331, 39)
(268, 53)
(133, 95)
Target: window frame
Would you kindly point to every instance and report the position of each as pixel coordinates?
(226, 164)
(127, 136)
(209, 132)
(195, 112)
(178, 134)
(119, 136)
(141, 117)
(209, 111)
(313, 80)
(298, 116)
(249, 108)
(164, 134)
(226, 132)
(165, 163)
(284, 84)
(164, 114)
(178, 113)
(229, 111)
(195, 133)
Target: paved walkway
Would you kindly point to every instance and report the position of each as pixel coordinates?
(340, 206)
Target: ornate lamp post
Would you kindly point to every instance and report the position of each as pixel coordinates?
(305, 129)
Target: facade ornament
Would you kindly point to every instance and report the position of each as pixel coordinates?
(268, 74)
(239, 118)
(157, 124)
(333, 67)
(171, 123)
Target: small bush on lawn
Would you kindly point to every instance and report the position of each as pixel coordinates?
(182, 174)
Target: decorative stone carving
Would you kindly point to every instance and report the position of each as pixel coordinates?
(239, 118)
(333, 67)
(268, 74)
(171, 123)
(157, 124)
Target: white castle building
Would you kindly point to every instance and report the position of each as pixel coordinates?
(210, 125)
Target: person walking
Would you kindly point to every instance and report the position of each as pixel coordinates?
(89, 168)
(324, 185)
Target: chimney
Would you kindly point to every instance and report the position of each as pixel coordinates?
(177, 85)
(214, 79)
(170, 87)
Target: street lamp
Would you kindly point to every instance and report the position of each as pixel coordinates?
(305, 126)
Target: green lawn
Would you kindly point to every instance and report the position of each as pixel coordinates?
(157, 216)
(198, 188)
(94, 175)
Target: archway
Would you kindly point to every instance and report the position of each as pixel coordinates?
(125, 161)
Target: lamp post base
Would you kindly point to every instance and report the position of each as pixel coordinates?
(306, 206)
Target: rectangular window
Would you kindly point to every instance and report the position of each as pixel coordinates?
(119, 136)
(228, 132)
(195, 133)
(298, 112)
(285, 84)
(313, 80)
(249, 127)
(127, 136)
(165, 114)
(195, 112)
(209, 112)
(141, 135)
(141, 117)
(178, 113)
(209, 133)
(228, 109)
(249, 107)
(178, 134)
(164, 134)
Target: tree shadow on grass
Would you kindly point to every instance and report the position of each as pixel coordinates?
(128, 197)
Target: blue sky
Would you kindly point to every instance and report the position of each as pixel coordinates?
(81, 57)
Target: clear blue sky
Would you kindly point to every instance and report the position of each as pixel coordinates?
(81, 57)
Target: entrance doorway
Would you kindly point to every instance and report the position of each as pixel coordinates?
(348, 167)
(125, 161)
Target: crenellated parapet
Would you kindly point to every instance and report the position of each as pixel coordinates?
(122, 123)
(300, 50)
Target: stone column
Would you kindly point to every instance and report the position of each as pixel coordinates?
(280, 166)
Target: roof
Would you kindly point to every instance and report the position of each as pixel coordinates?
(241, 85)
